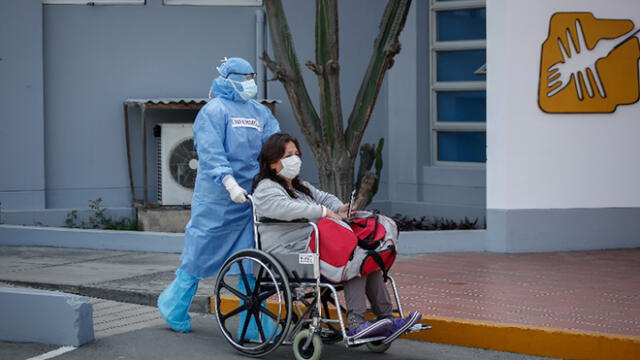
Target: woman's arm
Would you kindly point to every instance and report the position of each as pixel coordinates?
(272, 201)
(324, 198)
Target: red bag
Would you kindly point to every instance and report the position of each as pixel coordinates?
(368, 231)
(379, 246)
(379, 259)
(365, 245)
(337, 244)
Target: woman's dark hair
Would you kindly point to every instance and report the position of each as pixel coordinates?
(272, 151)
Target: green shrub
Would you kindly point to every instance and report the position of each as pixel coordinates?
(99, 219)
(406, 223)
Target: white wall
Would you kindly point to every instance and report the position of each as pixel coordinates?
(538, 160)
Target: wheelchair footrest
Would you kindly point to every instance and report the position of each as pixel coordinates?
(351, 342)
(417, 327)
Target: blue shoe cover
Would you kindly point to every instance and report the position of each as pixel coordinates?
(174, 301)
(268, 325)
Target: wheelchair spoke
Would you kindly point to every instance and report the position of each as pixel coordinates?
(256, 316)
(245, 326)
(234, 312)
(265, 295)
(256, 287)
(269, 313)
(245, 281)
(235, 292)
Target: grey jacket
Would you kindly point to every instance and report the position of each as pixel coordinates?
(272, 201)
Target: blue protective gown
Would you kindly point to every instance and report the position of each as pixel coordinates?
(228, 136)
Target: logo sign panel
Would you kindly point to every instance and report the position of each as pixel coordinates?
(588, 65)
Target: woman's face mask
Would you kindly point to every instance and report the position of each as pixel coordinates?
(290, 166)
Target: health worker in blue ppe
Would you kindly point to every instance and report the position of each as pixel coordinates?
(228, 135)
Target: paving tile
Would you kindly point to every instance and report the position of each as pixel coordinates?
(585, 291)
(111, 318)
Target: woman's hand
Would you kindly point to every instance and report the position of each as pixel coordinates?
(333, 215)
(344, 212)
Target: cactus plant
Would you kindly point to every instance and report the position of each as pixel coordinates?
(334, 147)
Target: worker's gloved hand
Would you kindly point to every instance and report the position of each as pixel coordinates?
(237, 193)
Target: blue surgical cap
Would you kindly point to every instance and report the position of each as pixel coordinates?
(235, 65)
(220, 87)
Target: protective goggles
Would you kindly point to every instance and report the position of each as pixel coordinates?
(249, 76)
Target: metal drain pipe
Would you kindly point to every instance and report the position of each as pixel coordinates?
(261, 69)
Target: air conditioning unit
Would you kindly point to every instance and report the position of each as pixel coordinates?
(177, 164)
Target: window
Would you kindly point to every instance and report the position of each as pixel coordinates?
(458, 82)
(215, 2)
(93, 2)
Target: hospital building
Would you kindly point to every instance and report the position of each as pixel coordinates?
(521, 114)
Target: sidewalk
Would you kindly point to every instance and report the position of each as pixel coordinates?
(577, 305)
(581, 305)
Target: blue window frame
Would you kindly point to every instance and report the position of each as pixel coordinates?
(460, 65)
(462, 106)
(458, 87)
(464, 24)
(462, 146)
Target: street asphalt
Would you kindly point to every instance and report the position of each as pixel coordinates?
(206, 343)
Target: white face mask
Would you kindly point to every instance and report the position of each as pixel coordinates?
(290, 166)
(250, 88)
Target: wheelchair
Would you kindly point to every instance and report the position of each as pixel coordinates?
(264, 300)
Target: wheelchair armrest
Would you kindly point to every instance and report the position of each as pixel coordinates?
(266, 220)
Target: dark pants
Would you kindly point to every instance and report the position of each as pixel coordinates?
(375, 290)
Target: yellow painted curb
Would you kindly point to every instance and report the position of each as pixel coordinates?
(531, 340)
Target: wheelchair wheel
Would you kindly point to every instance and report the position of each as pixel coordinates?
(378, 346)
(253, 302)
(314, 349)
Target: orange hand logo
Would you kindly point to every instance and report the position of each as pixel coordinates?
(588, 65)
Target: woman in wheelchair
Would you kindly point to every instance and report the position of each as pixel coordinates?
(280, 194)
